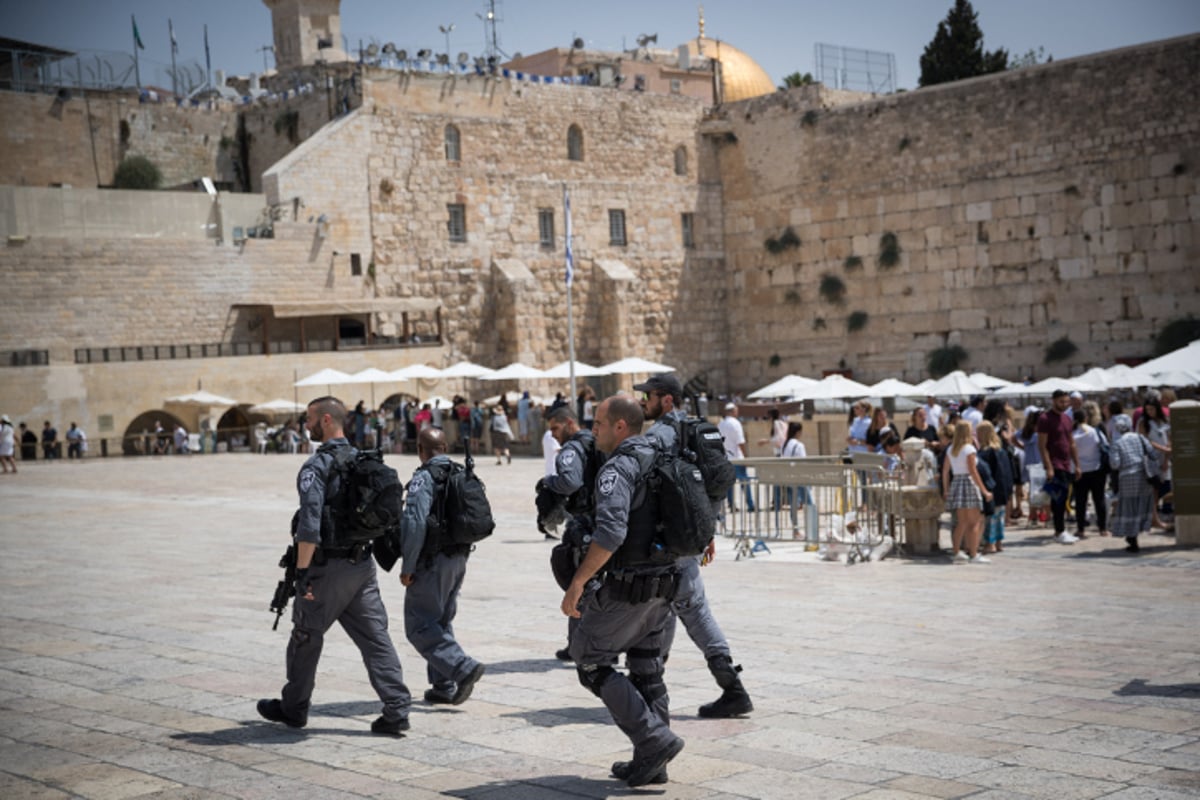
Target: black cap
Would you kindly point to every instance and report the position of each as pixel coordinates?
(665, 383)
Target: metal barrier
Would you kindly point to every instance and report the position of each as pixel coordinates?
(833, 503)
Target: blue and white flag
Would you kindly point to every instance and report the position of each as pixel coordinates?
(570, 254)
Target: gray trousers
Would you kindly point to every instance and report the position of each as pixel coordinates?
(691, 606)
(639, 704)
(430, 605)
(348, 594)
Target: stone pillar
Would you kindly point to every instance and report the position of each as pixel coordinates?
(1185, 471)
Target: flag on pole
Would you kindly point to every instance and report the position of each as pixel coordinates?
(137, 39)
(570, 253)
(207, 56)
(171, 30)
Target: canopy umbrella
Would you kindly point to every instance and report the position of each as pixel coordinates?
(956, 384)
(833, 387)
(326, 377)
(201, 398)
(1122, 376)
(892, 387)
(1043, 388)
(1176, 378)
(415, 372)
(465, 369)
(988, 381)
(371, 375)
(1183, 358)
(923, 387)
(633, 365)
(787, 386)
(582, 370)
(514, 371)
(272, 407)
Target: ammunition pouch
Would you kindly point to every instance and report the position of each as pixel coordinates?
(634, 588)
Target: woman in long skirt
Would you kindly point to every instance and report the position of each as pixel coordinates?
(1129, 455)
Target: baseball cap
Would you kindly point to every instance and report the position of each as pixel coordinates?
(665, 383)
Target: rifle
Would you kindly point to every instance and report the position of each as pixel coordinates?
(286, 588)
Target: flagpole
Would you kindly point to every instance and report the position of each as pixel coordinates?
(174, 71)
(137, 72)
(207, 61)
(570, 276)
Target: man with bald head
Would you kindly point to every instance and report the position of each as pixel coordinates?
(433, 575)
(621, 594)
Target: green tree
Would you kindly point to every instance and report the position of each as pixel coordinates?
(956, 51)
(1031, 59)
(796, 79)
(137, 172)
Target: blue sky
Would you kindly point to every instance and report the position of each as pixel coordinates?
(779, 34)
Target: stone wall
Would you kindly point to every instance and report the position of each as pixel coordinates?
(1054, 201)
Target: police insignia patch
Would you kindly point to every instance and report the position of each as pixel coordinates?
(306, 479)
(568, 457)
(607, 481)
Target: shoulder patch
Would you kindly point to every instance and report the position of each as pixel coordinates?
(607, 481)
(568, 456)
(307, 476)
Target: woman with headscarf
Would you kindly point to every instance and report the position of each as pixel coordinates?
(1133, 458)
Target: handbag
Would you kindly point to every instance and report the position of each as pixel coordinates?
(1150, 466)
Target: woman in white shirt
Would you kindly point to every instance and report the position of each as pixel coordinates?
(965, 492)
(798, 495)
(1089, 441)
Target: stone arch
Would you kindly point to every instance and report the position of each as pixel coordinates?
(575, 143)
(139, 438)
(233, 428)
(681, 160)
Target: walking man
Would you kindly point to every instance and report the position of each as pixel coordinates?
(433, 577)
(334, 584)
(661, 403)
(1056, 443)
(621, 596)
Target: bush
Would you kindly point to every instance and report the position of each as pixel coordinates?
(833, 289)
(857, 321)
(137, 172)
(853, 262)
(945, 360)
(889, 250)
(1060, 350)
(1176, 334)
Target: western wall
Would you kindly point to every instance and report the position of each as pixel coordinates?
(1054, 201)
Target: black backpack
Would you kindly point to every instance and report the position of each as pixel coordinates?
(370, 497)
(461, 514)
(701, 443)
(686, 520)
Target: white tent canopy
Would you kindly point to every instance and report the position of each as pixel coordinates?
(582, 370)
(1187, 358)
(370, 375)
(414, 372)
(635, 365)
(833, 387)
(514, 371)
(956, 384)
(278, 407)
(988, 381)
(1043, 388)
(1176, 378)
(465, 369)
(326, 377)
(787, 386)
(892, 387)
(201, 398)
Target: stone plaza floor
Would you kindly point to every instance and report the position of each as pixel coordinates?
(135, 639)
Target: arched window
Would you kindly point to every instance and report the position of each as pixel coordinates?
(681, 160)
(575, 143)
(453, 144)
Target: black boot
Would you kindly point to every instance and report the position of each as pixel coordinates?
(734, 700)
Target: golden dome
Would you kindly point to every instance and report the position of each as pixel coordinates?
(741, 76)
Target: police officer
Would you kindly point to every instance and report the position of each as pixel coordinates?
(334, 585)
(574, 479)
(626, 610)
(661, 402)
(433, 580)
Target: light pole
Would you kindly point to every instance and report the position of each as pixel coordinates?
(446, 30)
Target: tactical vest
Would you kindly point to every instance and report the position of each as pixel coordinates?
(642, 546)
(329, 536)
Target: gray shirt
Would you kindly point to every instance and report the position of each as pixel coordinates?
(569, 465)
(664, 429)
(316, 481)
(417, 506)
(616, 484)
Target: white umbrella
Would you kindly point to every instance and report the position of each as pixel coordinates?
(1043, 388)
(465, 369)
(787, 386)
(833, 387)
(1176, 378)
(582, 370)
(371, 375)
(201, 398)
(326, 377)
(956, 384)
(1122, 376)
(924, 386)
(988, 381)
(1184, 358)
(514, 371)
(278, 407)
(414, 372)
(892, 387)
(633, 365)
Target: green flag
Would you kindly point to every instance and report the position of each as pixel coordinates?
(137, 39)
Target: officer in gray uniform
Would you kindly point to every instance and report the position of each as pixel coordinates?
(574, 479)
(334, 585)
(662, 400)
(624, 612)
(433, 580)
